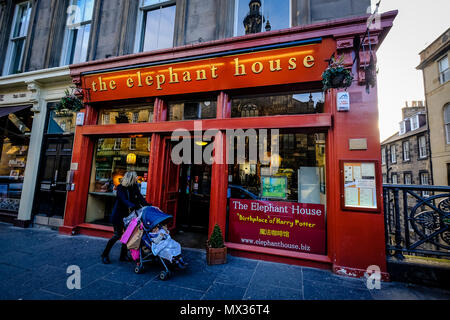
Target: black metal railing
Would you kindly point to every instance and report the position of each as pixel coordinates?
(417, 220)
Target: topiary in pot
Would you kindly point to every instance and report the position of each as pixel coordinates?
(216, 252)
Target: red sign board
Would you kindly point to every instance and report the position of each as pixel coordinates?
(270, 67)
(282, 225)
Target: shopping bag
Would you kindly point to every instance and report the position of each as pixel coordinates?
(135, 254)
(135, 240)
(129, 231)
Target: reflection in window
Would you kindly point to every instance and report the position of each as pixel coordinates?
(301, 169)
(78, 28)
(16, 45)
(157, 25)
(253, 16)
(192, 110)
(61, 122)
(114, 157)
(126, 114)
(258, 106)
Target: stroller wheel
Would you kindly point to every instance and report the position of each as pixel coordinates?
(138, 269)
(164, 275)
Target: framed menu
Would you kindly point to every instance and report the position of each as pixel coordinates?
(359, 189)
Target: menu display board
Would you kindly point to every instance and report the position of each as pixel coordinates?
(359, 185)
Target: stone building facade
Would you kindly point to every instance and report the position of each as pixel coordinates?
(436, 75)
(406, 154)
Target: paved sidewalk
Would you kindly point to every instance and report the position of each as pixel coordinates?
(33, 265)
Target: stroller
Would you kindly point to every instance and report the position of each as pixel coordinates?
(150, 218)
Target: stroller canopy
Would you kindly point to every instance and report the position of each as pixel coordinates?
(152, 216)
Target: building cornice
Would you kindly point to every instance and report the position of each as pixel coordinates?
(39, 77)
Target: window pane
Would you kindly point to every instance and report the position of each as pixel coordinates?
(192, 110)
(447, 113)
(14, 145)
(261, 16)
(111, 161)
(159, 28)
(443, 64)
(61, 122)
(16, 56)
(22, 20)
(258, 106)
(126, 114)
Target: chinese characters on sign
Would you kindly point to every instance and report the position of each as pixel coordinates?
(282, 225)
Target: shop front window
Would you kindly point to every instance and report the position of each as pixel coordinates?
(113, 157)
(192, 110)
(279, 199)
(263, 105)
(126, 114)
(15, 131)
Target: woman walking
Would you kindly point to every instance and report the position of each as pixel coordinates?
(128, 198)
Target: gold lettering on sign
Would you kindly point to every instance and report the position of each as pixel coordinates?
(240, 68)
(257, 67)
(308, 62)
(130, 83)
(173, 76)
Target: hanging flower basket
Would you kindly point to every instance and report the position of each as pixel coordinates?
(336, 76)
(69, 103)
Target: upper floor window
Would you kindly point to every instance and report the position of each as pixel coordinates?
(423, 147)
(394, 178)
(424, 180)
(447, 122)
(408, 178)
(253, 16)
(444, 70)
(405, 146)
(383, 156)
(156, 25)
(17, 39)
(415, 122)
(77, 32)
(393, 154)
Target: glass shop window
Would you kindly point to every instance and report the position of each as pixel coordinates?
(277, 199)
(264, 105)
(113, 157)
(126, 114)
(296, 173)
(15, 131)
(192, 110)
(253, 16)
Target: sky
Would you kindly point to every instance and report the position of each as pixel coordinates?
(418, 24)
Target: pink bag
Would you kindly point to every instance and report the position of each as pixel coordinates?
(127, 234)
(134, 254)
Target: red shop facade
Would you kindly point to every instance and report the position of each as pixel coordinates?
(312, 196)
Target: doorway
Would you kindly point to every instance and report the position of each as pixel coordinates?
(51, 190)
(187, 190)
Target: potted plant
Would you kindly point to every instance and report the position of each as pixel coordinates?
(216, 252)
(336, 76)
(69, 103)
